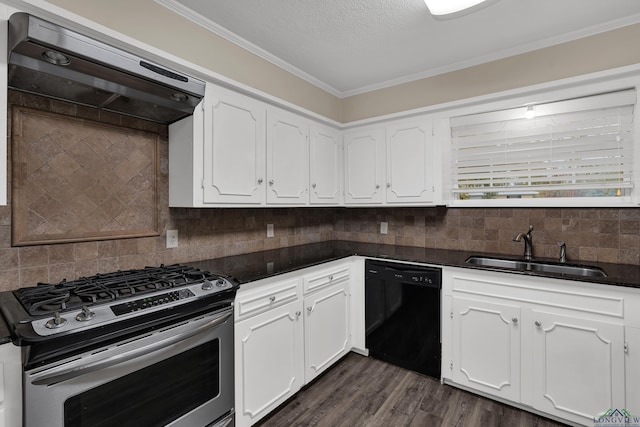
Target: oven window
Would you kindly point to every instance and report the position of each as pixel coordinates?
(153, 396)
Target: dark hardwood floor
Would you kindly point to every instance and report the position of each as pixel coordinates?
(361, 391)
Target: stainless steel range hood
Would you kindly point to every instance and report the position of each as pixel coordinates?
(52, 61)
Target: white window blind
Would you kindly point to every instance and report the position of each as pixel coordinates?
(576, 145)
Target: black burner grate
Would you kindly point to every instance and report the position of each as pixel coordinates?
(47, 298)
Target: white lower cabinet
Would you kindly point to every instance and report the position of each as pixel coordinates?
(283, 340)
(326, 329)
(555, 346)
(269, 350)
(10, 386)
(578, 366)
(486, 347)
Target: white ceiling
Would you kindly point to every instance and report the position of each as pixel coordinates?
(353, 46)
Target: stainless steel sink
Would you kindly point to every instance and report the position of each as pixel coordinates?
(541, 266)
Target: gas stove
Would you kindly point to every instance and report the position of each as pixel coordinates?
(136, 336)
(84, 303)
(96, 308)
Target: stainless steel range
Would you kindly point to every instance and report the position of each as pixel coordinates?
(147, 347)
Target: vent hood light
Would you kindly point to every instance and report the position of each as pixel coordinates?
(56, 58)
(179, 97)
(447, 9)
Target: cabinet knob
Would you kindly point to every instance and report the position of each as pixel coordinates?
(270, 182)
(377, 186)
(388, 185)
(331, 277)
(272, 298)
(538, 323)
(313, 185)
(298, 313)
(309, 309)
(260, 180)
(514, 320)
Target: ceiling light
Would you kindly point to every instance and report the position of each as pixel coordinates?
(446, 9)
(530, 113)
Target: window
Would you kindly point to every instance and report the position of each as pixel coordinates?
(576, 148)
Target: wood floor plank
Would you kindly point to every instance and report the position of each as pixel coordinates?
(365, 392)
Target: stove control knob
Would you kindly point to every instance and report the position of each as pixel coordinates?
(85, 315)
(220, 283)
(56, 322)
(207, 285)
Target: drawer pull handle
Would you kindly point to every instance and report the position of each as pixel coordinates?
(272, 298)
(538, 323)
(331, 277)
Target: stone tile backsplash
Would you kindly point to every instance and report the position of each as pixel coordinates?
(607, 235)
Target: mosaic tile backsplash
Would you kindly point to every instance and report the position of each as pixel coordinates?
(608, 235)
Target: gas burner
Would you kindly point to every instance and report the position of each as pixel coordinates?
(46, 299)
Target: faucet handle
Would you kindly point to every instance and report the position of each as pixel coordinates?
(563, 251)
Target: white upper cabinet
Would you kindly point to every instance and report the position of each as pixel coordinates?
(234, 148)
(410, 171)
(364, 166)
(392, 164)
(325, 166)
(287, 158)
(217, 155)
(238, 151)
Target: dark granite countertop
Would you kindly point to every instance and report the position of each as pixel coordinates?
(259, 265)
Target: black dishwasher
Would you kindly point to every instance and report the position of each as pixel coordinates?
(402, 315)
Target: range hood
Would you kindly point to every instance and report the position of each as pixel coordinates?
(52, 61)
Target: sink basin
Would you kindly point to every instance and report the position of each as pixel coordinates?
(541, 266)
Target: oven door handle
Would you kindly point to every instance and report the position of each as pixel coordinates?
(64, 372)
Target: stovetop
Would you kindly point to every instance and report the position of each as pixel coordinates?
(90, 302)
(47, 299)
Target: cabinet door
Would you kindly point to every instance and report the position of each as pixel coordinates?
(364, 167)
(410, 162)
(578, 366)
(234, 148)
(325, 166)
(632, 364)
(486, 347)
(287, 158)
(269, 361)
(10, 385)
(326, 334)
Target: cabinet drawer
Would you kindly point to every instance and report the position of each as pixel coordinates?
(265, 299)
(325, 278)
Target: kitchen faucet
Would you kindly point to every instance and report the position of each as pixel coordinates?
(563, 251)
(528, 243)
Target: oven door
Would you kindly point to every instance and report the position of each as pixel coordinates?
(180, 375)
